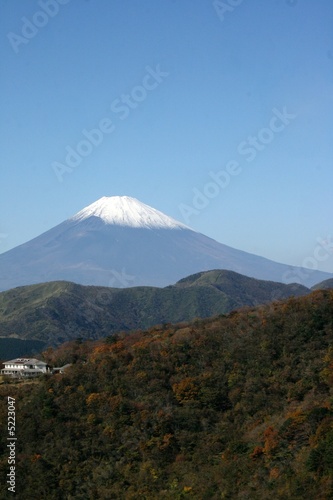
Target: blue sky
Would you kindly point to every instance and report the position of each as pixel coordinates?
(182, 93)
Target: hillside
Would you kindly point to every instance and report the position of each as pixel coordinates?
(60, 311)
(324, 285)
(234, 407)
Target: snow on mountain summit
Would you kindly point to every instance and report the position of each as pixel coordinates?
(100, 246)
(127, 211)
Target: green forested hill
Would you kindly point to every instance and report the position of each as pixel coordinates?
(59, 311)
(235, 407)
(324, 285)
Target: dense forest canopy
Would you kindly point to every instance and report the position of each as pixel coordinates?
(235, 406)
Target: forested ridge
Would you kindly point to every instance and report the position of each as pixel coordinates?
(55, 312)
(235, 406)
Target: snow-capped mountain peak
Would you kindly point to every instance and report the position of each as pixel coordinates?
(101, 246)
(127, 211)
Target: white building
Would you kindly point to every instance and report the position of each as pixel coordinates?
(61, 369)
(24, 368)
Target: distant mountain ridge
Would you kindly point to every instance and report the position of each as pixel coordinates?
(119, 241)
(324, 285)
(55, 312)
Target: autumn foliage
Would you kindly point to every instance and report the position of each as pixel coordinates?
(236, 406)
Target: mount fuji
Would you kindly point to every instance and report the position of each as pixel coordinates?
(120, 242)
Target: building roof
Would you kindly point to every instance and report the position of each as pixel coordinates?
(25, 361)
(61, 368)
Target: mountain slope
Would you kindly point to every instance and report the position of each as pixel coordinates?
(242, 290)
(236, 407)
(58, 311)
(121, 242)
(324, 285)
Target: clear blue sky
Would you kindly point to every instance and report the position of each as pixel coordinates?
(91, 63)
